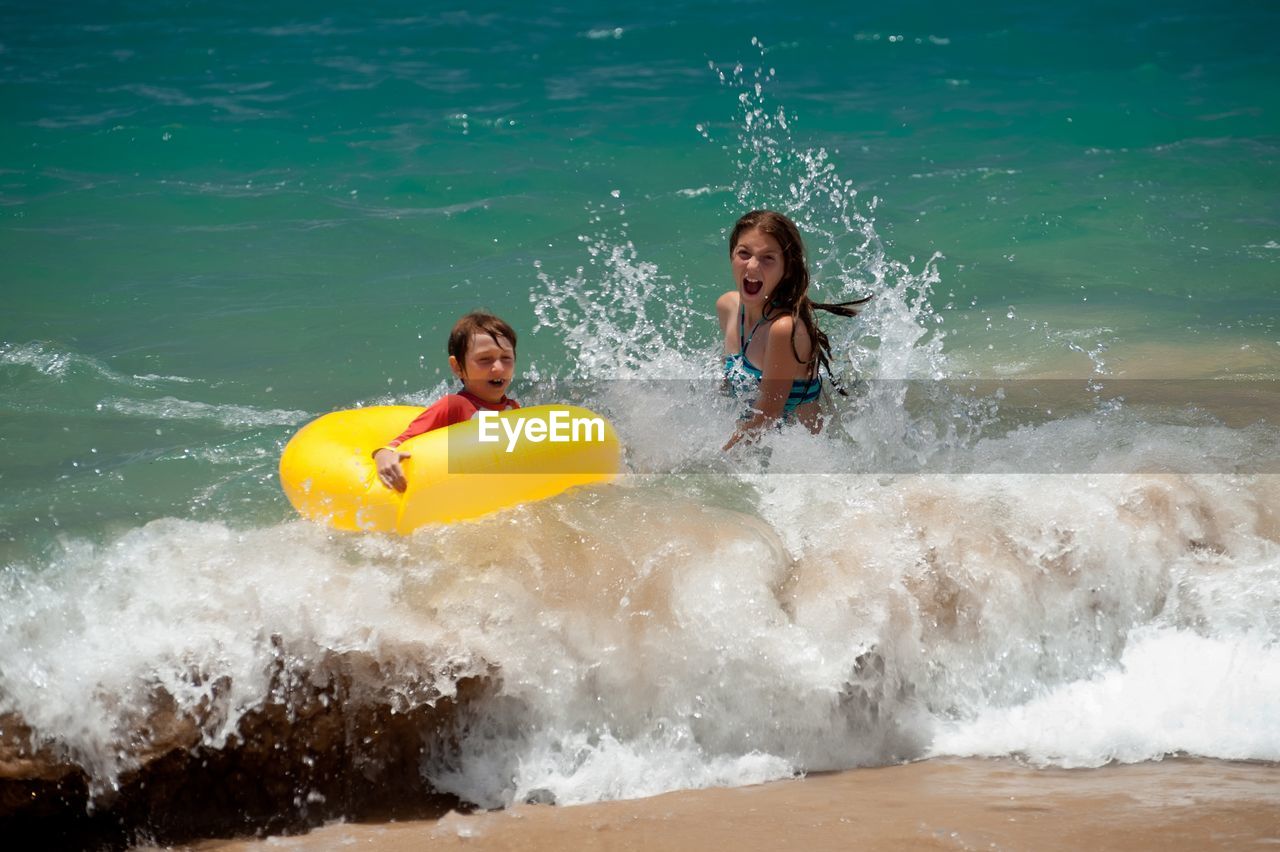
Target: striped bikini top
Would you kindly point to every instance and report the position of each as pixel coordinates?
(743, 377)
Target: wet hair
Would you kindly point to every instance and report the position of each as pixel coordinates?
(477, 322)
(791, 297)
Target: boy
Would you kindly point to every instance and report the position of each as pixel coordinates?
(482, 353)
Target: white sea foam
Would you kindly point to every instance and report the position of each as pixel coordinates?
(151, 377)
(861, 619)
(1172, 691)
(197, 610)
(582, 768)
(50, 361)
(231, 416)
(660, 635)
(702, 190)
(56, 363)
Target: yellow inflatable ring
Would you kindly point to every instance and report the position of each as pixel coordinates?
(464, 471)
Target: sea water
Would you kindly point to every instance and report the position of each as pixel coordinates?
(220, 221)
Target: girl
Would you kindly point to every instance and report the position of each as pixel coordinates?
(772, 344)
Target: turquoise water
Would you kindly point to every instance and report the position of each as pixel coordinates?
(288, 207)
(219, 221)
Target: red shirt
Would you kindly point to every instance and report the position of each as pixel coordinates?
(448, 410)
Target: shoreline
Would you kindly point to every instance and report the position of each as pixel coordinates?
(943, 803)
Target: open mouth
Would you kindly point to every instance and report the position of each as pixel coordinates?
(752, 286)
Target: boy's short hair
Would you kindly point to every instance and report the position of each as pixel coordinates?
(477, 322)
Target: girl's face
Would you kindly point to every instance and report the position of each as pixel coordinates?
(488, 368)
(758, 266)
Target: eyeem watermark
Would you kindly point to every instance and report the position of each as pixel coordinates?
(558, 427)
(1087, 425)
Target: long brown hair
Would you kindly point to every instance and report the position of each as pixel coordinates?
(791, 296)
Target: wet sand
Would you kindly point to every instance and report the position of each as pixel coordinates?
(1177, 804)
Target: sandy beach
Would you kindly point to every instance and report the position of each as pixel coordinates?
(1174, 804)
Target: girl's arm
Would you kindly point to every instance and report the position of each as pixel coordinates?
(780, 369)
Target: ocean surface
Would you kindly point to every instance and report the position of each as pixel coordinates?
(1044, 523)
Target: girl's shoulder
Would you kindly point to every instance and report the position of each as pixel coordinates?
(728, 301)
(785, 329)
(780, 329)
(727, 306)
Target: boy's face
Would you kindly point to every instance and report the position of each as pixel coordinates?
(488, 368)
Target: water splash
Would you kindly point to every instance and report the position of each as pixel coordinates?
(198, 618)
(622, 317)
(900, 335)
(619, 316)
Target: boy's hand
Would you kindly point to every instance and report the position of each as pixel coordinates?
(390, 474)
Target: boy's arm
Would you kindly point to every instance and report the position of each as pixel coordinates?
(436, 416)
(387, 463)
(387, 459)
